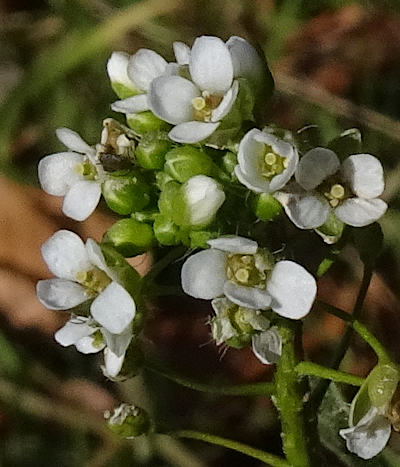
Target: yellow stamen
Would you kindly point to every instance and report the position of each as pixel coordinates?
(270, 158)
(242, 275)
(337, 191)
(199, 103)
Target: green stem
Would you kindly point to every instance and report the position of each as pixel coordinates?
(313, 369)
(267, 458)
(288, 399)
(254, 389)
(164, 262)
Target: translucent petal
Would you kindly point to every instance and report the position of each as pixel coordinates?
(113, 308)
(257, 183)
(365, 175)
(60, 294)
(359, 212)
(57, 172)
(249, 297)
(170, 98)
(65, 255)
(182, 53)
(292, 289)
(131, 105)
(267, 346)
(234, 244)
(117, 69)
(315, 166)
(113, 363)
(85, 345)
(81, 199)
(192, 132)
(118, 343)
(204, 274)
(73, 141)
(74, 330)
(144, 66)
(96, 257)
(226, 104)
(211, 65)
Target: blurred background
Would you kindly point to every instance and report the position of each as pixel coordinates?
(336, 64)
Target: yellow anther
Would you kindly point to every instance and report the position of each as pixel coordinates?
(337, 191)
(199, 103)
(81, 276)
(246, 259)
(79, 169)
(334, 202)
(270, 158)
(242, 275)
(285, 162)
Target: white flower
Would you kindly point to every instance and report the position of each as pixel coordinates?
(82, 274)
(266, 163)
(139, 70)
(73, 174)
(203, 197)
(197, 105)
(349, 190)
(117, 69)
(246, 275)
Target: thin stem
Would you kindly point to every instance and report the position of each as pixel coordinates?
(288, 399)
(254, 389)
(321, 388)
(267, 458)
(167, 259)
(313, 369)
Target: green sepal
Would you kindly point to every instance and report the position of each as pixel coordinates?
(145, 216)
(127, 276)
(123, 91)
(266, 207)
(382, 384)
(125, 195)
(238, 342)
(166, 231)
(199, 238)
(184, 162)
(332, 230)
(369, 242)
(130, 423)
(162, 179)
(151, 154)
(130, 237)
(145, 122)
(349, 142)
(170, 194)
(229, 162)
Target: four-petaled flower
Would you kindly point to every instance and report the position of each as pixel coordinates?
(247, 275)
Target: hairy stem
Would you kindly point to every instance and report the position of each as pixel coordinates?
(313, 369)
(267, 458)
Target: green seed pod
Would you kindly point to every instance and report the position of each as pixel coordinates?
(130, 237)
(144, 122)
(128, 421)
(151, 154)
(382, 384)
(184, 162)
(266, 207)
(165, 231)
(126, 194)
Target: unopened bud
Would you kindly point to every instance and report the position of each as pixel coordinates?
(185, 162)
(121, 84)
(144, 122)
(166, 231)
(266, 207)
(151, 154)
(128, 421)
(126, 194)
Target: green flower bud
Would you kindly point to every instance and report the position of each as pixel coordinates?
(126, 194)
(184, 162)
(144, 122)
(145, 216)
(229, 162)
(162, 179)
(199, 238)
(266, 207)
(130, 237)
(170, 195)
(151, 154)
(165, 231)
(128, 421)
(382, 384)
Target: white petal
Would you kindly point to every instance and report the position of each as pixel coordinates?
(267, 346)
(279, 181)
(211, 65)
(170, 98)
(131, 105)
(234, 244)
(256, 183)
(57, 172)
(359, 212)
(81, 199)
(369, 437)
(182, 53)
(192, 132)
(226, 104)
(144, 66)
(113, 363)
(249, 297)
(292, 289)
(65, 255)
(117, 69)
(247, 62)
(96, 257)
(60, 294)
(113, 308)
(118, 343)
(74, 330)
(365, 175)
(72, 140)
(86, 345)
(203, 274)
(315, 166)
(305, 210)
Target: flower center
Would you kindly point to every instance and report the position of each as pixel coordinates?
(95, 280)
(97, 339)
(249, 270)
(87, 170)
(334, 190)
(271, 163)
(204, 105)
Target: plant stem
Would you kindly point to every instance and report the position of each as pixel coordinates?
(254, 389)
(313, 369)
(164, 262)
(267, 458)
(288, 399)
